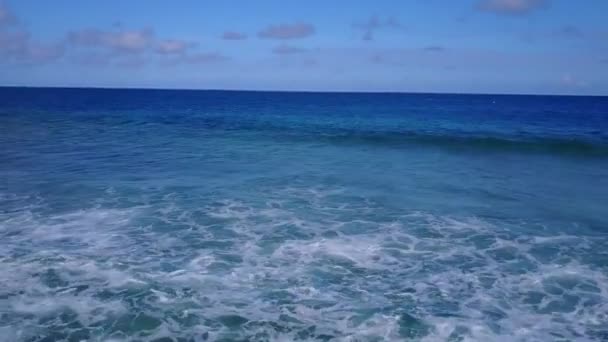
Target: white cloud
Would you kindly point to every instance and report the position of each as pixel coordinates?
(285, 49)
(288, 31)
(511, 7)
(133, 41)
(6, 15)
(233, 35)
(17, 45)
(173, 46)
(375, 23)
(568, 80)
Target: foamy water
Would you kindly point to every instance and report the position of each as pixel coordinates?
(272, 271)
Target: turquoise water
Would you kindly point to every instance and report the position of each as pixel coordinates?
(131, 215)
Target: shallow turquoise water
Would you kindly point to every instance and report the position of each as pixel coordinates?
(193, 216)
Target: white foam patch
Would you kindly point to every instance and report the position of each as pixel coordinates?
(60, 273)
(84, 307)
(361, 252)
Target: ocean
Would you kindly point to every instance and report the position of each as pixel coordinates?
(176, 215)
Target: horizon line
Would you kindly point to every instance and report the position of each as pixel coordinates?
(298, 91)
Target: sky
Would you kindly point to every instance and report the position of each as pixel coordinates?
(454, 46)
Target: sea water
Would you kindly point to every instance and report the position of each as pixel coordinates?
(162, 215)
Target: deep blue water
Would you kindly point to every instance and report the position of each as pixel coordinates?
(256, 216)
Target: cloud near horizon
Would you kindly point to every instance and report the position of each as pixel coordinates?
(17, 45)
(434, 48)
(207, 57)
(287, 31)
(285, 49)
(174, 47)
(375, 23)
(6, 15)
(568, 80)
(117, 47)
(130, 48)
(199, 58)
(124, 41)
(511, 7)
(233, 35)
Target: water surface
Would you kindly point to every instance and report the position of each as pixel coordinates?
(138, 215)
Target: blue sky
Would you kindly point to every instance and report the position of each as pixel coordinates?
(462, 46)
